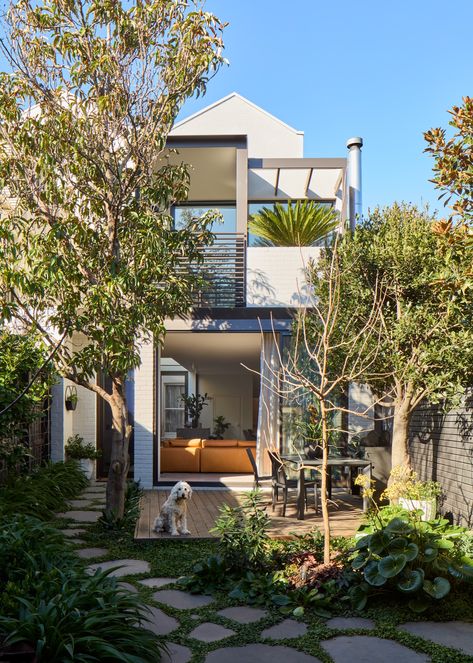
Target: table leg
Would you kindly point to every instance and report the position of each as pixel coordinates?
(300, 495)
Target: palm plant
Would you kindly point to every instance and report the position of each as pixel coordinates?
(304, 223)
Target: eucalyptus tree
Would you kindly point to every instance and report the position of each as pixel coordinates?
(304, 223)
(87, 245)
(426, 349)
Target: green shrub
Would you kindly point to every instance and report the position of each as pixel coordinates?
(415, 559)
(110, 523)
(244, 542)
(76, 449)
(43, 492)
(48, 601)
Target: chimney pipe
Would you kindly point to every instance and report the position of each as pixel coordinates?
(354, 146)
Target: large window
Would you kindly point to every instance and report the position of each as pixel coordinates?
(173, 409)
(183, 214)
(256, 206)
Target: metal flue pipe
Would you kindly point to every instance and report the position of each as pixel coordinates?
(354, 146)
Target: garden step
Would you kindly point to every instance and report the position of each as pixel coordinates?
(176, 654)
(127, 567)
(362, 648)
(458, 635)
(158, 622)
(286, 629)
(157, 582)
(344, 623)
(81, 516)
(181, 600)
(243, 614)
(208, 632)
(260, 654)
(90, 553)
(70, 533)
(79, 504)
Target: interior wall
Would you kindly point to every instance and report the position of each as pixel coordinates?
(230, 396)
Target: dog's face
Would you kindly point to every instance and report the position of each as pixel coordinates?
(182, 491)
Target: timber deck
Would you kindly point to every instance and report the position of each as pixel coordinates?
(202, 511)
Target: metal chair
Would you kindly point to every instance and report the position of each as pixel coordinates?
(280, 480)
(257, 478)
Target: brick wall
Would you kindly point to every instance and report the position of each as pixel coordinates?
(442, 450)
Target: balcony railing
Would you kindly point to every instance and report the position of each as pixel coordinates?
(223, 271)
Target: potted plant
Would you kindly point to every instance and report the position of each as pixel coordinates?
(408, 491)
(194, 403)
(86, 454)
(70, 398)
(220, 426)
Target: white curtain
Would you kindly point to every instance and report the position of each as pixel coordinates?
(268, 412)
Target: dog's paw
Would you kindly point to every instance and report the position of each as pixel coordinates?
(175, 533)
(185, 531)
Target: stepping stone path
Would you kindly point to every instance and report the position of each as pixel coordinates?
(81, 516)
(128, 567)
(289, 628)
(78, 542)
(243, 614)
(176, 654)
(159, 623)
(69, 533)
(261, 654)
(363, 648)
(129, 587)
(350, 622)
(458, 635)
(208, 632)
(181, 600)
(157, 582)
(90, 553)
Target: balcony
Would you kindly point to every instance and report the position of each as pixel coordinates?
(224, 272)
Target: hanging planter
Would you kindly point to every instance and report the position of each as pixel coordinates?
(70, 398)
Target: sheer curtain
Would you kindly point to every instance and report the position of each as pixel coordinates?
(268, 412)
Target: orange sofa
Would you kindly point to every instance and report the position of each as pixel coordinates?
(196, 455)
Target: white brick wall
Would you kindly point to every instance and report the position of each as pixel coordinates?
(144, 417)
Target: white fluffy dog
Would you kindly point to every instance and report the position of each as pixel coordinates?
(173, 515)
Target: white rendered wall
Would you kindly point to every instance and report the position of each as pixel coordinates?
(275, 275)
(227, 390)
(268, 137)
(144, 416)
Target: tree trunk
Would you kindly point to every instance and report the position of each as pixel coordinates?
(323, 497)
(400, 442)
(119, 461)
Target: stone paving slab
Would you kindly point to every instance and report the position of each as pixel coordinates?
(458, 635)
(260, 654)
(350, 622)
(157, 582)
(81, 516)
(78, 542)
(208, 632)
(243, 614)
(159, 623)
(363, 648)
(90, 553)
(128, 567)
(286, 629)
(176, 654)
(181, 600)
(79, 504)
(73, 531)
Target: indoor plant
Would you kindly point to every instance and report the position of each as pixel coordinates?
(86, 454)
(408, 491)
(220, 426)
(194, 403)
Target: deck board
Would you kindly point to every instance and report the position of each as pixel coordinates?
(203, 510)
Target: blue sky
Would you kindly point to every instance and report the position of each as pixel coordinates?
(383, 71)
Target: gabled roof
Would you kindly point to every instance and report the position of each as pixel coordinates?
(233, 95)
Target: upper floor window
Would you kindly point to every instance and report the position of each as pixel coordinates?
(183, 214)
(304, 227)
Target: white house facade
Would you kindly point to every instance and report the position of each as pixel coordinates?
(241, 159)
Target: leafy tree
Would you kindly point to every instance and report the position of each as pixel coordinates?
(427, 332)
(87, 247)
(304, 223)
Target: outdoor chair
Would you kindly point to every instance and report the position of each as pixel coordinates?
(257, 478)
(280, 480)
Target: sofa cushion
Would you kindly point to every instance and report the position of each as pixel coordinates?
(183, 459)
(247, 443)
(180, 442)
(219, 443)
(225, 460)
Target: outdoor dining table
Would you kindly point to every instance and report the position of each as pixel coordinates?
(303, 464)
